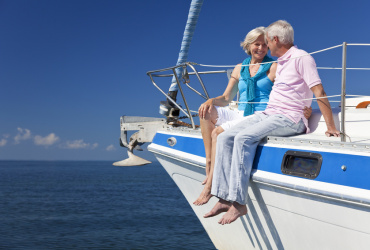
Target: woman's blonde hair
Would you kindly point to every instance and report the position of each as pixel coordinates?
(251, 37)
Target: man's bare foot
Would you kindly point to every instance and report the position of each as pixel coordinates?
(235, 211)
(204, 196)
(205, 180)
(221, 206)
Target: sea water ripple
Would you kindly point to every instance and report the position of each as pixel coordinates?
(94, 205)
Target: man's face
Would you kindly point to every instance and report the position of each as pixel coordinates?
(272, 45)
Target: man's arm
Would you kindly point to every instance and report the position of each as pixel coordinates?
(325, 109)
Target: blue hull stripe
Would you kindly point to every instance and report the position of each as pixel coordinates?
(189, 145)
(357, 173)
(269, 159)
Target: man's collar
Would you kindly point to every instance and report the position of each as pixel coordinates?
(287, 54)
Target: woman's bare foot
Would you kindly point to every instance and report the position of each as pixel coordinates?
(204, 196)
(221, 206)
(235, 211)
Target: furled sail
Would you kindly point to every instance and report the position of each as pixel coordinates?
(167, 108)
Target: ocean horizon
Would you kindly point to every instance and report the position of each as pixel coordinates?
(94, 205)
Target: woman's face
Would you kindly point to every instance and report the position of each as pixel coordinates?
(259, 48)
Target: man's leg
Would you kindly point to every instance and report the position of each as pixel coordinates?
(221, 174)
(224, 157)
(245, 145)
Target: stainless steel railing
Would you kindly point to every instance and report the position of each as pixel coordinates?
(344, 68)
(343, 94)
(152, 74)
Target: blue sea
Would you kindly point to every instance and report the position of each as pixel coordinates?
(94, 205)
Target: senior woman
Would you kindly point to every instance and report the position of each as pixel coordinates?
(254, 84)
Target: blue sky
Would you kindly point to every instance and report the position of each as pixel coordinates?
(70, 69)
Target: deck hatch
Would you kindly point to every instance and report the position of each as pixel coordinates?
(302, 164)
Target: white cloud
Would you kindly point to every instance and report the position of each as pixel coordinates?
(3, 142)
(47, 140)
(77, 144)
(110, 148)
(23, 134)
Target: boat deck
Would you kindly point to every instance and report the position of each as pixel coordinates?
(356, 130)
(356, 126)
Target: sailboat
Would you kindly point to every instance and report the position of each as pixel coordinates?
(306, 192)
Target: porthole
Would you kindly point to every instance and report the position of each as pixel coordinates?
(171, 141)
(302, 164)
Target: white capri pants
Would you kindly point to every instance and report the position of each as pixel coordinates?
(228, 118)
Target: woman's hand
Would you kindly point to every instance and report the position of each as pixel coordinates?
(307, 112)
(205, 107)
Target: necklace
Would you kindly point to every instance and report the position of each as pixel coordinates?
(253, 69)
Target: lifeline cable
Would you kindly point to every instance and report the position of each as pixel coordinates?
(229, 66)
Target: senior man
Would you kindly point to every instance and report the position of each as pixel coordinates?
(296, 79)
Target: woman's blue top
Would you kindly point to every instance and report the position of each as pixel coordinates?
(262, 91)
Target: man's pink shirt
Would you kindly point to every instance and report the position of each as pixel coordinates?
(293, 81)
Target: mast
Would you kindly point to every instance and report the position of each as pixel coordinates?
(191, 23)
(187, 37)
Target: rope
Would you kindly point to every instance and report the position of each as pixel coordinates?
(342, 133)
(341, 68)
(184, 117)
(336, 46)
(295, 100)
(358, 44)
(232, 66)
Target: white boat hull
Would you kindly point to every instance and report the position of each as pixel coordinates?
(279, 216)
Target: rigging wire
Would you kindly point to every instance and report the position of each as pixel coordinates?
(229, 66)
(315, 52)
(342, 68)
(295, 100)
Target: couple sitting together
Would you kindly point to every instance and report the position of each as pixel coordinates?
(267, 106)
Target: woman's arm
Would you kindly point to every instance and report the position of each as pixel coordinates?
(271, 74)
(226, 97)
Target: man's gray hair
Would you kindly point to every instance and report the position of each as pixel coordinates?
(283, 30)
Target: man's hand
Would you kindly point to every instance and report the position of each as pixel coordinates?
(307, 112)
(204, 108)
(332, 132)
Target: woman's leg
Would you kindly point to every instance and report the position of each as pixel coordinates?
(207, 125)
(226, 146)
(206, 193)
(221, 172)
